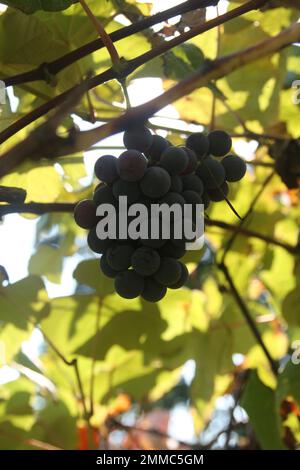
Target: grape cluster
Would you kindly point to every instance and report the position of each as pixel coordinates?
(151, 170)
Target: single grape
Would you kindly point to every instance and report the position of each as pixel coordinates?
(159, 144)
(138, 138)
(199, 143)
(103, 195)
(211, 172)
(106, 169)
(170, 249)
(174, 160)
(129, 284)
(131, 165)
(235, 168)
(119, 256)
(220, 143)
(169, 271)
(192, 183)
(183, 277)
(156, 182)
(192, 163)
(126, 188)
(176, 184)
(172, 198)
(153, 291)
(191, 197)
(85, 214)
(105, 267)
(145, 261)
(97, 245)
(218, 194)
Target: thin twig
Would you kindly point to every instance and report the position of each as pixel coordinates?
(107, 41)
(246, 314)
(242, 378)
(93, 355)
(248, 213)
(239, 230)
(73, 363)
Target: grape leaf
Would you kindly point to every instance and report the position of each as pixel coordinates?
(31, 6)
(260, 403)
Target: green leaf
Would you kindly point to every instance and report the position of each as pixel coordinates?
(56, 426)
(289, 382)
(11, 339)
(23, 301)
(140, 329)
(72, 320)
(31, 6)
(47, 261)
(182, 61)
(290, 304)
(259, 402)
(41, 182)
(89, 273)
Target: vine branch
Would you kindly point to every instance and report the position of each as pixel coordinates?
(246, 314)
(58, 146)
(56, 66)
(128, 67)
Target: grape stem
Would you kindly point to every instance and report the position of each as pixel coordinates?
(105, 38)
(248, 213)
(246, 314)
(111, 48)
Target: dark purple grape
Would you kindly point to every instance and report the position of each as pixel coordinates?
(174, 160)
(192, 163)
(129, 284)
(183, 277)
(220, 143)
(156, 182)
(218, 194)
(159, 144)
(85, 214)
(153, 291)
(126, 188)
(235, 168)
(106, 169)
(199, 143)
(138, 138)
(211, 172)
(169, 272)
(131, 165)
(192, 183)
